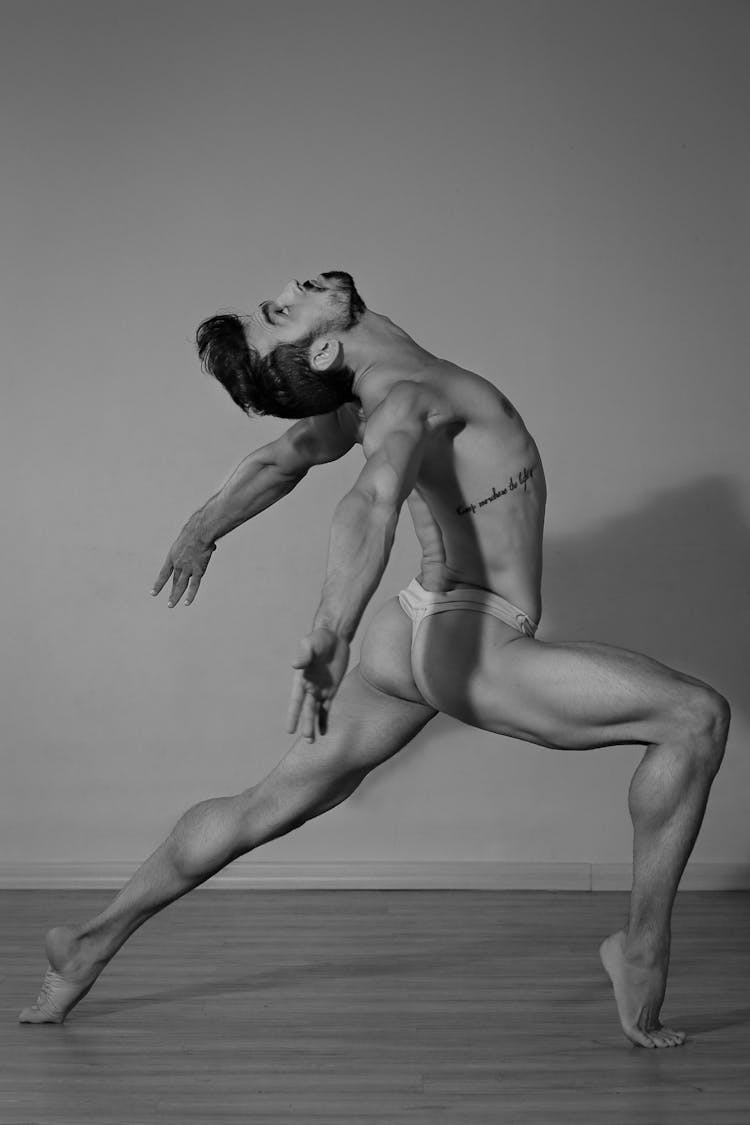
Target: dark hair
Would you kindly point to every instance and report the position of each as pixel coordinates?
(282, 383)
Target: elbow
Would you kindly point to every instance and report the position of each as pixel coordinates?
(382, 486)
(373, 514)
(381, 494)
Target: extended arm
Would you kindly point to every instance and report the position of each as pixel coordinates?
(361, 539)
(257, 483)
(264, 477)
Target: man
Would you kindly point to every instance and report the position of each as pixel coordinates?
(459, 639)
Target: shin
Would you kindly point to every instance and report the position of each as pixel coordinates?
(667, 801)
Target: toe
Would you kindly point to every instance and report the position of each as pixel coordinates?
(639, 1038)
(36, 1014)
(30, 1015)
(664, 1037)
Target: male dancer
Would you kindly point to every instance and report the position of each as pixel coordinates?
(459, 639)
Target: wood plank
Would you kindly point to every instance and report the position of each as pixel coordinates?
(375, 1006)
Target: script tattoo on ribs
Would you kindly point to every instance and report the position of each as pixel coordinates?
(520, 481)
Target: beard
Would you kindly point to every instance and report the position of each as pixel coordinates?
(291, 388)
(352, 305)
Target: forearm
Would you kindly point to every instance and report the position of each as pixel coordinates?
(255, 485)
(362, 535)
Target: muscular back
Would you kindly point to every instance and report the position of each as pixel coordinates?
(478, 504)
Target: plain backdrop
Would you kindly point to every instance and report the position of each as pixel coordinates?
(553, 194)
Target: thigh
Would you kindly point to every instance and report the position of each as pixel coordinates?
(574, 696)
(366, 726)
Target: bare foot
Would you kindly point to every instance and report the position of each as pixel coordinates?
(66, 981)
(639, 993)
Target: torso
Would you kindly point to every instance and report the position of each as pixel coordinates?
(478, 504)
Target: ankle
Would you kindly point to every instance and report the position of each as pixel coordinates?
(647, 951)
(88, 947)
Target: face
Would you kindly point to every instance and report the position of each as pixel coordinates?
(328, 303)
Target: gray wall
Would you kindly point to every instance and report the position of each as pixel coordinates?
(552, 194)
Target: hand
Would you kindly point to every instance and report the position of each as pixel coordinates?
(187, 560)
(322, 662)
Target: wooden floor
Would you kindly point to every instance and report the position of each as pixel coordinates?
(375, 1006)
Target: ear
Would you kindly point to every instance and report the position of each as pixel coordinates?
(326, 355)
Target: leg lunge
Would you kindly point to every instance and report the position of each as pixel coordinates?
(667, 801)
(366, 727)
(584, 696)
(205, 839)
(78, 954)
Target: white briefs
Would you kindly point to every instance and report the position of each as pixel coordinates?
(420, 603)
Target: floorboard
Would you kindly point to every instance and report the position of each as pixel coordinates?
(354, 1007)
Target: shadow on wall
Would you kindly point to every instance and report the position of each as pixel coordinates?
(669, 580)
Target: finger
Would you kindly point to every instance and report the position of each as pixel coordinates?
(295, 703)
(192, 589)
(162, 577)
(303, 654)
(178, 587)
(309, 711)
(307, 717)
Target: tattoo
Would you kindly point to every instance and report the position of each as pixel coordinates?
(524, 476)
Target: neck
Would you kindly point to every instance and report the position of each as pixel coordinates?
(376, 343)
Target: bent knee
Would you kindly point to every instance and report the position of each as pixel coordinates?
(705, 715)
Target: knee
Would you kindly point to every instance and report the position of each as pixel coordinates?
(706, 715)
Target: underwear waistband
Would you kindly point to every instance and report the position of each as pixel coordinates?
(418, 602)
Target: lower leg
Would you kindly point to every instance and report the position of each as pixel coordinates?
(205, 839)
(366, 727)
(667, 801)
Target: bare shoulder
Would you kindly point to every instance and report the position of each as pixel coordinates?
(451, 400)
(390, 397)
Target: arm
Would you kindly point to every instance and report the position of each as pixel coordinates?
(364, 523)
(362, 534)
(272, 472)
(264, 477)
(256, 484)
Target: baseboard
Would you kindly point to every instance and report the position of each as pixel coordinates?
(697, 877)
(373, 875)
